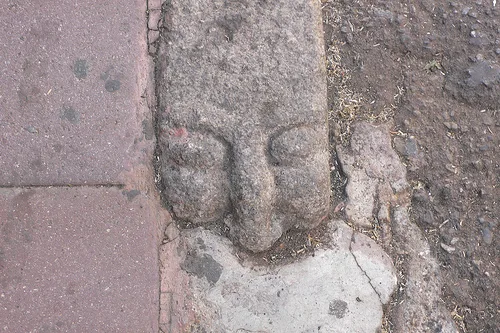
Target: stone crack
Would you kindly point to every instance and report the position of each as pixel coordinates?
(362, 270)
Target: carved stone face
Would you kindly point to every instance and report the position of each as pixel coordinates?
(243, 129)
(270, 183)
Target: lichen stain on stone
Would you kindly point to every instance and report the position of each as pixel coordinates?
(80, 68)
(337, 308)
(70, 114)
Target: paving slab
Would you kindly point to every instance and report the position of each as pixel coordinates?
(228, 292)
(78, 260)
(243, 116)
(70, 90)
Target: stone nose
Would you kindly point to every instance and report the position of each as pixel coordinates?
(253, 197)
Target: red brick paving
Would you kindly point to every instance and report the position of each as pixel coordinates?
(69, 95)
(74, 88)
(77, 260)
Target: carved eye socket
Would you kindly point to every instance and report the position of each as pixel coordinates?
(195, 150)
(296, 144)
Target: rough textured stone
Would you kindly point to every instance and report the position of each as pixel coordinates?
(479, 85)
(421, 309)
(329, 292)
(242, 96)
(406, 146)
(377, 176)
(370, 164)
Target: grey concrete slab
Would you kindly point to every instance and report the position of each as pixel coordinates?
(70, 90)
(244, 135)
(78, 260)
(328, 292)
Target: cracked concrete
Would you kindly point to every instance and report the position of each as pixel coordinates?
(375, 264)
(378, 193)
(331, 291)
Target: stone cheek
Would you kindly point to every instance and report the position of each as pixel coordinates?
(300, 156)
(197, 183)
(264, 188)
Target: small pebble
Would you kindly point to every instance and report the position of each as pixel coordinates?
(31, 129)
(349, 37)
(450, 125)
(482, 192)
(484, 147)
(171, 232)
(487, 222)
(472, 14)
(421, 195)
(411, 146)
(454, 240)
(447, 248)
(487, 120)
(487, 235)
(451, 168)
(497, 51)
(428, 218)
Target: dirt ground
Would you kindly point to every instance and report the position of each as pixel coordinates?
(432, 69)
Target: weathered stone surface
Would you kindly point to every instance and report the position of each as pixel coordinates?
(377, 176)
(371, 165)
(243, 116)
(421, 309)
(330, 292)
(478, 85)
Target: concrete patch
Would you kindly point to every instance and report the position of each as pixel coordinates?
(375, 263)
(328, 292)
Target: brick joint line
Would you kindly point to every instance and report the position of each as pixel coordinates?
(98, 185)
